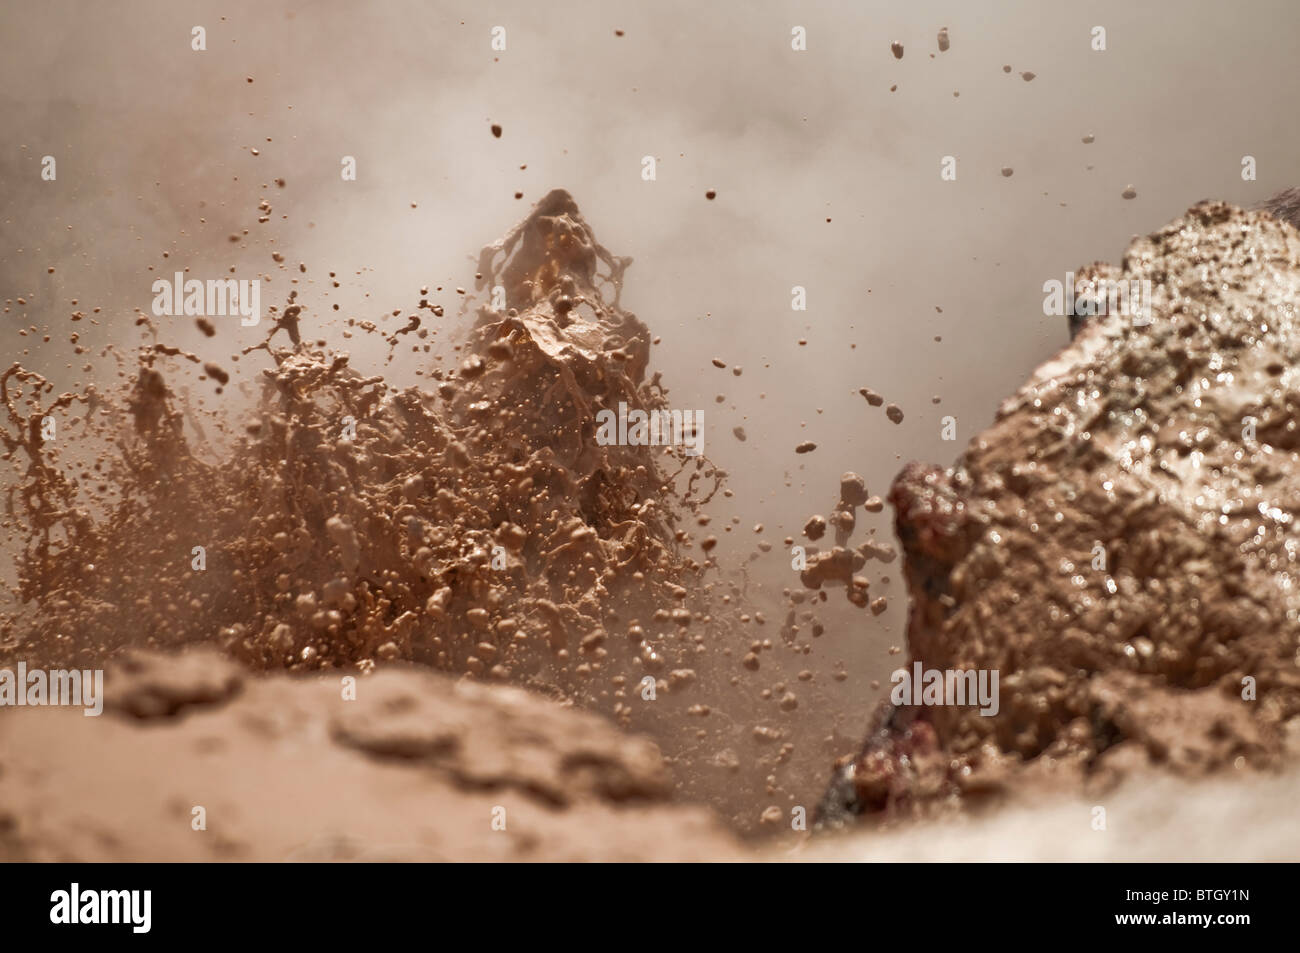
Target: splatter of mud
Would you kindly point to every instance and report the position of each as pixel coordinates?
(472, 523)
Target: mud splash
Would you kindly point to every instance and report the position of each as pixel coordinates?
(474, 525)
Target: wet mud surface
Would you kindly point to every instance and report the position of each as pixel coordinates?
(1120, 545)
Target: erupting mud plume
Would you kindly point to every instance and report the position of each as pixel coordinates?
(477, 526)
(355, 519)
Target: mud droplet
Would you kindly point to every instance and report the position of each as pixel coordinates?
(853, 490)
(1129, 193)
(943, 40)
(897, 49)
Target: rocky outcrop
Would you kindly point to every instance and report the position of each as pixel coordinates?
(1120, 546)
(193, 759)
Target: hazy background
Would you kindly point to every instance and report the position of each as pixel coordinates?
(153, 138)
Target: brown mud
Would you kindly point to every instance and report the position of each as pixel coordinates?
(1120, 545)
(344, 520)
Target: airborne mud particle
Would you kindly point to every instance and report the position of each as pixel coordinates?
(815, 528)
(1129, 192)
(897, 49)
(853, 490)
(806, 447)
(943, 40)
(894, 413)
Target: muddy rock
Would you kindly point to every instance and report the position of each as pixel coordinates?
(1120, 546)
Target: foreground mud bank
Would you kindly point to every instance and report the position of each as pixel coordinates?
(1120, 546)
(195, 759)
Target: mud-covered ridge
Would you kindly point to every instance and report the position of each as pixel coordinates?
(1120, 545)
